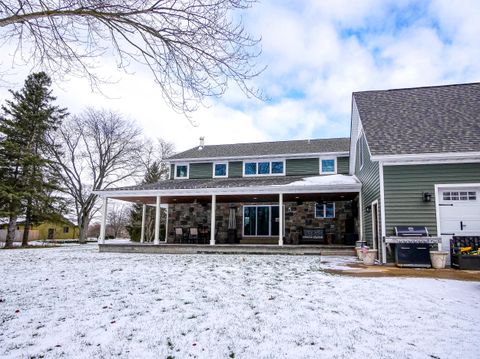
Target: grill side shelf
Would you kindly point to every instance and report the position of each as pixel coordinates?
(426, 240)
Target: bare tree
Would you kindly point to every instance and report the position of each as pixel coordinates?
(118, 219)
(96, 150)
(155, 152)
(192, 47)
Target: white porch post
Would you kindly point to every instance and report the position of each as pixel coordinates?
(280, 219)
(103, 225)
(212, 222)
(166, 227)
(157, 222)
(142, 230)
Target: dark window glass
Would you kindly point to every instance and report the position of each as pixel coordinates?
(329, 210)
(328, 166)
(250, 168)
(264, 168)
(220, 170)
(65, 229)
(249, 221)
(277, 167)
(263, 219)
(182, 171)
(319, 210)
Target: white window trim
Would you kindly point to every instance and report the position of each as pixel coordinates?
(220, 163)
(256, 220)
(334, 165)
(257, 161)
(324, 210)
(188, 170)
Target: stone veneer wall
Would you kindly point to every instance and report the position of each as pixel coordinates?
(187, 215)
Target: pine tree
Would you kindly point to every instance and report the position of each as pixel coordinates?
(26, 176)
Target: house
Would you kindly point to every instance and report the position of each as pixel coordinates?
(270, 188)
(63, 229)
(417, 153)
(413, 158)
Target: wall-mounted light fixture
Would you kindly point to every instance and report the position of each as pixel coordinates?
(368, 209)
(427, 196)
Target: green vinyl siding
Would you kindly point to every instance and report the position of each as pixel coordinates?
(404, 185)
(201, 170)
(303, 166)
(235, 169)
(369, 176)
(342, 165)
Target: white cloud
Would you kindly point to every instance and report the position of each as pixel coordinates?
(318, 53)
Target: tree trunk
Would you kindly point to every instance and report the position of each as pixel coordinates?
(83, 227)
(26, 228)
(12, 227)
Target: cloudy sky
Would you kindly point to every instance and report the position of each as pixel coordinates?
(317, 53)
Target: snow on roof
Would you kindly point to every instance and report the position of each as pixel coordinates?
(330, 180)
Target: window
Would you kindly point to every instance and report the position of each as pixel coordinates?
(220, 169)
(264, 168)
(66, 229)
(181, 171)
(260, 221)
(328, 165)
(460, 196)
(360, 150)
(325, 210)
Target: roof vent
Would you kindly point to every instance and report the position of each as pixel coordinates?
(202, 143)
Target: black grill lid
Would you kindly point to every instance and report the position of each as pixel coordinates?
(411, 231)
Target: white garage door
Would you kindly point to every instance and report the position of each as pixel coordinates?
(459, 213)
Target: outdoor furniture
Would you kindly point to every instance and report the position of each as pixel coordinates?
(203, 234)
(193, 235)
(313, 235)
(462, 251)
(179, 235)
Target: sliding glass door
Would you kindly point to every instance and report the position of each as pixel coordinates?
(260, 221)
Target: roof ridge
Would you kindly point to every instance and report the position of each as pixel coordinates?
(280, 141)
(419, 87)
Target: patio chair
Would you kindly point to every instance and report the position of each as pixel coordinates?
(179, 235)
(193, 235)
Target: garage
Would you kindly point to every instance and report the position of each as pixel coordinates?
(458, 212)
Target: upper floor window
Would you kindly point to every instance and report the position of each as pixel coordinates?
(181, 171)
(360, 150)
(65, 229)
(328, 165)
(325, 210)
(263, 168)
(220, 169)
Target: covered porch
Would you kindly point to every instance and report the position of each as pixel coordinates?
(305, 211)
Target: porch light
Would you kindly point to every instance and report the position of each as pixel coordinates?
(368, 209)
(427, 196)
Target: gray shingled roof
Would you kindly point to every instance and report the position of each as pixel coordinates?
(267, 148)
(214, 183)
(421, 120)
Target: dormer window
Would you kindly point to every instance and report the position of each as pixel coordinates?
(328, 166)
(220, 169)
(264, 168)
(181, 170)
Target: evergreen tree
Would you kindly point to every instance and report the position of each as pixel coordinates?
(26, 176)
(153, 174)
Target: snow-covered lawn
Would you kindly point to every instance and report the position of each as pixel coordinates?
(75, 302)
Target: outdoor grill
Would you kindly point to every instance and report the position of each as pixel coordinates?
(412, 246)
